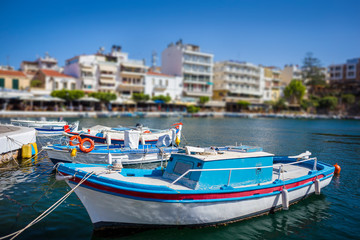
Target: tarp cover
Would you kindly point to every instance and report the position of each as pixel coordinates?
(131, 139)
(164, 141)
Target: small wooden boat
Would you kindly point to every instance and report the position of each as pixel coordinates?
(100, 134)
(47, 127)
(198, 188)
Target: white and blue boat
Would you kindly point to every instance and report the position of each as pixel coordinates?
(47, 127)
(99, 134)
(202, 187)
(131, 152)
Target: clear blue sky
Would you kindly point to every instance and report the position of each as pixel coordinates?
(262, 32)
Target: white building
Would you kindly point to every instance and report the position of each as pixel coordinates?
(193, 66)
(235, 81)
(30, 68)
(52, 80)
(162, 84)
(112, 72)
(289, 73)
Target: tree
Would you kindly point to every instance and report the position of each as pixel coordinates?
(243, 104)
(193, 109)
(311, 71)
(36, 83)
(348, 99)
(279, 105)
(328, 102)
(295, 91)
(140, 97)
(68, 95)
(103, 96)
(163, 98)
(204, 99)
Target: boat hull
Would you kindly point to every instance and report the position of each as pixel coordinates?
(109, 209)
(57, 156)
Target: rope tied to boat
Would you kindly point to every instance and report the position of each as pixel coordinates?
(49, 210)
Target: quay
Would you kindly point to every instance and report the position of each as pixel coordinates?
(12, 138)
(118, 114)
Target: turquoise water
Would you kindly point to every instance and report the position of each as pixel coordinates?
(27, 191)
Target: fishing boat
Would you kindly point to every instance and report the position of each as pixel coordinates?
(100, 134)
(44, 127)
(201, 187)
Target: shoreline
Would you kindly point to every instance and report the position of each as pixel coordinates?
(105, 114)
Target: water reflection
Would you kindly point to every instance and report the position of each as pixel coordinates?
(306, 214)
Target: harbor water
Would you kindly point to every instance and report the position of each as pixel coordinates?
(28, 190)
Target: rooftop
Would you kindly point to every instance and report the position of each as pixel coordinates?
(12, 73)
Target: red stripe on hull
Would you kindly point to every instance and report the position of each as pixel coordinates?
(204, 196)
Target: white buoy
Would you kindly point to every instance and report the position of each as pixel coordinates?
(62, 178)
(285, 199)
(108, 139)
(142, 140)
(317, 186)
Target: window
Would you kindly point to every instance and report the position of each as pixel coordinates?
(64, 85)
(72, 86)
(15, 83)
(56, 85)
(181, 167)
(2, 82)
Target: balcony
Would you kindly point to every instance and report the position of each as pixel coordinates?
(160, 88)
(126, 86)
(197, 93)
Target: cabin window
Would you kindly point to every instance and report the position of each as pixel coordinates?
(181, 167)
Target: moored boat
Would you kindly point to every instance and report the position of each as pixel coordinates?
(198, 188)
(100, 134)
(47, 127)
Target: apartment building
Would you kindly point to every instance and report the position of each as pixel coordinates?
(194, 66)
(289, 73)
(273, 87)
(110, 72)
(14, 80)
(157, 83)
(50, 80)
(30, 68)
(347, 72)
(235, 81)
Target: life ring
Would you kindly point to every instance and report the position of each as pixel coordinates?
(147, 131)
(83, 148)
(73, 138)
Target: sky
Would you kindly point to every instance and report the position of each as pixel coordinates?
(271, 33)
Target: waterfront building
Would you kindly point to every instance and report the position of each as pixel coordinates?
(14, 80)
(30, 68)
(45, 81)
(235, 81)
(289, 73)
(111, 72)
(273, 89)
(157, 83)
(195, 68)
(345, 77)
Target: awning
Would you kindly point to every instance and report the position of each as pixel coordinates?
(107, 81)
(108, 68)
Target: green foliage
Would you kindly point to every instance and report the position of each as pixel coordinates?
(36, 83)
(328, 102)
(295, 91)
(311, 102)
(140, 97)
(348, 98)
(193, 109)
(163, 98)
(279, 105)
(103, 96)
(311, 71)
(243, 104)
(204, 99)
(68, 95)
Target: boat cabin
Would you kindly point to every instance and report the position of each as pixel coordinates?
(214, 168)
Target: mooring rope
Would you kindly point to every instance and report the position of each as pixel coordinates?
(49, 210)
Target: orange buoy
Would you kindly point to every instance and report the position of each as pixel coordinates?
(337, 169)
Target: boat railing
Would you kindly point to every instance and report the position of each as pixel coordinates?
(246, 168)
